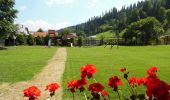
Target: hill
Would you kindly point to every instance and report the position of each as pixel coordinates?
(118, 20)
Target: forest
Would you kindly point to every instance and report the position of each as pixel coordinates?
(122, 22)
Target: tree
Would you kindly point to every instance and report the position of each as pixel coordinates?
(168, 16)
(40, 30)
(135, 16)
(30, 40)
(7, 16)
(143, 32)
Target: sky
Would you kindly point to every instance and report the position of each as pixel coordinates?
(57, 14)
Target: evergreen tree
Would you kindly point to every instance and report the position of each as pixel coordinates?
(40, 30)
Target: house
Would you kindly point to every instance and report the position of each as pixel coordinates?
(71, 36)
(41, 34)
(52, 33)
(70, 39)
(23, 29)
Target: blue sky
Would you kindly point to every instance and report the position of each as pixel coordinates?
(56, 14)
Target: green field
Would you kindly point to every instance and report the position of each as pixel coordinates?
(105, 35)
(22, 63)
(136, 59)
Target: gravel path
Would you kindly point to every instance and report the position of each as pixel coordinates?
(52, 72)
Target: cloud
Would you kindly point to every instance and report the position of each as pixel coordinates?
(23, 8)
(92, 3)
(58, 2)
(35, 25)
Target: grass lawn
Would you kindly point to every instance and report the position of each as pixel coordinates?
(106, 35)
(23, 62)
(108, 61)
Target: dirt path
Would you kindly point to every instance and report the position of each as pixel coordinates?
(51, 73)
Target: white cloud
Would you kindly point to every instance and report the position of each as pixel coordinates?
(58, 2)
(35, 25)
(92, 3)
(23, 8)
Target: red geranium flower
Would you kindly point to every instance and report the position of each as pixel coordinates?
(52, 87)
(96, 87)
(72, 84)
(76, 84)
(152, 71)
(104, 93)
(81, 83)
(114, 82)
(32, 92)
(157, 88)
(133, 81)
(142, 81)
(123, 69)
(88, 71)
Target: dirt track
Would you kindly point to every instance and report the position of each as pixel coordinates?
(52, 72)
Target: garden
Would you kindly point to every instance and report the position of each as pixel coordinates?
(26, 62)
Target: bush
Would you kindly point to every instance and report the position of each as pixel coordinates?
(79, 41)
(20, 39)
(39, 40)
(30, 40)
(46, 39)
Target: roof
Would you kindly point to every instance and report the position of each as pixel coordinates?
(51, 31)
(71, 35)
(41, 34)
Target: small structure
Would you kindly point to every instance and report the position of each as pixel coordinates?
(71, 36)
(41, 34)
(166, 39)
(70, 39)
(52, 33)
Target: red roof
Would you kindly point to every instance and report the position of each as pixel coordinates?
(52, 33)
(41, 34)
(71, 35)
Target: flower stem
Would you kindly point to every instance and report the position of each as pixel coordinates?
(94, 80)
(109, 97)
(122, 94)
(73, 97)
(118, 94)
(131, 88)
(85, 95)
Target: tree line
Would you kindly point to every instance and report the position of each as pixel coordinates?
(120, 20)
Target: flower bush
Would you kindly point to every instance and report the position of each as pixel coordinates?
(156, 89)
(32, 93)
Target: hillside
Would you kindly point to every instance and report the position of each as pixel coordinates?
(118, 20)
(105, 35)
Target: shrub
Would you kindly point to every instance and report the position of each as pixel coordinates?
(30, 40)
(20, 39)
(39, 40)
(79, 41)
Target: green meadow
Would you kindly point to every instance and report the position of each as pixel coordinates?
(137, 59)
(21, 63)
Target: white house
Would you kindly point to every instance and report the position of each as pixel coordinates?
(23, 29)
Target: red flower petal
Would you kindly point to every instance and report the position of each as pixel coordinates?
(96, 87)
(52, 87)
